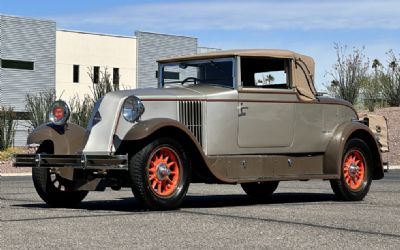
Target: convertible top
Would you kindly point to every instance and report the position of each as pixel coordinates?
(303, 66)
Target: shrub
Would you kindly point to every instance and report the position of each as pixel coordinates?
(37, 106)
(7, 127)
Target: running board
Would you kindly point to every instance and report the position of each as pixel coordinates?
(117, 162)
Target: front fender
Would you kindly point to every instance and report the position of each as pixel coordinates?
(169, 127)
(334, 152)
(67, 141)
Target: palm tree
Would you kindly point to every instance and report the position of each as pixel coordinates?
(376, 64)
(269, 78)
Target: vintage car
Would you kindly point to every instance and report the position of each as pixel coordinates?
(248, 117)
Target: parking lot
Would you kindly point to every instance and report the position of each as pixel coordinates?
(299, 215)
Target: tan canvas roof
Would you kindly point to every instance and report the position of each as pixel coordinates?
(228, 53)
(303, 68)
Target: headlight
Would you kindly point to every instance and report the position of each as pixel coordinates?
(59, 113)
(132, 109)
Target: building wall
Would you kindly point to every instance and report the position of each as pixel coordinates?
(88, 50)
(24, 39)
(152, 46)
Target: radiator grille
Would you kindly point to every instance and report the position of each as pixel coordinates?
(191, 115)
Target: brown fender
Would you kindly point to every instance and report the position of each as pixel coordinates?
(344, 132)
(68, 140)
(169, 127)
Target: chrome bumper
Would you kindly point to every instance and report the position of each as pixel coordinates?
(118, 162)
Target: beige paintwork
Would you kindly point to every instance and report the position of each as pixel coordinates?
(248, 134)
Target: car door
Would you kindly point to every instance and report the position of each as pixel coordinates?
(266, 119)
(266, 104)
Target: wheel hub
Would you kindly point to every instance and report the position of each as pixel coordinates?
(353, 170)
(162, 171)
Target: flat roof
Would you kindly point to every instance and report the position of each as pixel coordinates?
(94, 33)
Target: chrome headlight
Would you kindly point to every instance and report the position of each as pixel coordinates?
(59, 113)
(132, 109)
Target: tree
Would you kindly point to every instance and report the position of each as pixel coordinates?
(269, 79)
(391, 82)
(372, 85)
(349, 73)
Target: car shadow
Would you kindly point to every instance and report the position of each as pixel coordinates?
(129, 204)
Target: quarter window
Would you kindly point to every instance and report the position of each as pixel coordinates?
(265, 73)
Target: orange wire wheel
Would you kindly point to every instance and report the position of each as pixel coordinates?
(354, 169)
(163, 171)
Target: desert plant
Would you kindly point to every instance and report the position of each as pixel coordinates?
(103, 84)
(348, 73)
(37, 106)
(7, 127)
(391, 82)
(81, 110)
(372, 86)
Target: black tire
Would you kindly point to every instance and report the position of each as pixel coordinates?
(260, 189)
(160, 174)
(355, 172)
(55, 190)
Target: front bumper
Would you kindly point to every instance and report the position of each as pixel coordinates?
(117, 162)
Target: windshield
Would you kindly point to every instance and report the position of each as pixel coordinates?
(211, 72)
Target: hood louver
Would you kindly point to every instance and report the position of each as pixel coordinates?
(191, 115)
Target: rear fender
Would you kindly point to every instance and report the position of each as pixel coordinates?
(334, 153)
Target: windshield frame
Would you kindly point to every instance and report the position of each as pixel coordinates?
(233, 60)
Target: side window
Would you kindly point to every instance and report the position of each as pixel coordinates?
(265, 73)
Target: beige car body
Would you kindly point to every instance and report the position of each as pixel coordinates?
(233, 135)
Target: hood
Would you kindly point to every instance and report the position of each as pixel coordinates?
(172, 93)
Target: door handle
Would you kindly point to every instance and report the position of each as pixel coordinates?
(242, 110)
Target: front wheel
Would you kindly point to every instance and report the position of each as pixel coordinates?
(55, 190)
(160, 174)
(355, 172)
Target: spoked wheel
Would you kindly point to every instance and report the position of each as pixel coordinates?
(160, 174)
(356, 174)
(55, 190)
(163, 171)
(260, 190)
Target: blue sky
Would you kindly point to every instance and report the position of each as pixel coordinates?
(306, 26)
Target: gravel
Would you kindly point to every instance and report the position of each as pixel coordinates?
(392, 114)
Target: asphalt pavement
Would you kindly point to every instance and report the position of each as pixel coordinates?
(300, 215)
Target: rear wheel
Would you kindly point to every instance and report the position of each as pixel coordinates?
(356, 172)
(160, 174)
(260, 189)
(55, 190)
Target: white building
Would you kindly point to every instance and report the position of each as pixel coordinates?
(35, 56)
(80, 55)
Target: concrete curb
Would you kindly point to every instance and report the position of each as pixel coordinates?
(391, 167)
(15, 174)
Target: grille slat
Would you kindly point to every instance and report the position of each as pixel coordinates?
(190, 114)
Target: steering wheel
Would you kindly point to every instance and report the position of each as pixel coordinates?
(191, 79)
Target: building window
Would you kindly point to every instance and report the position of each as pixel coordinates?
(116, 76)
(96, 74)
(76, 73)
(14, 64)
